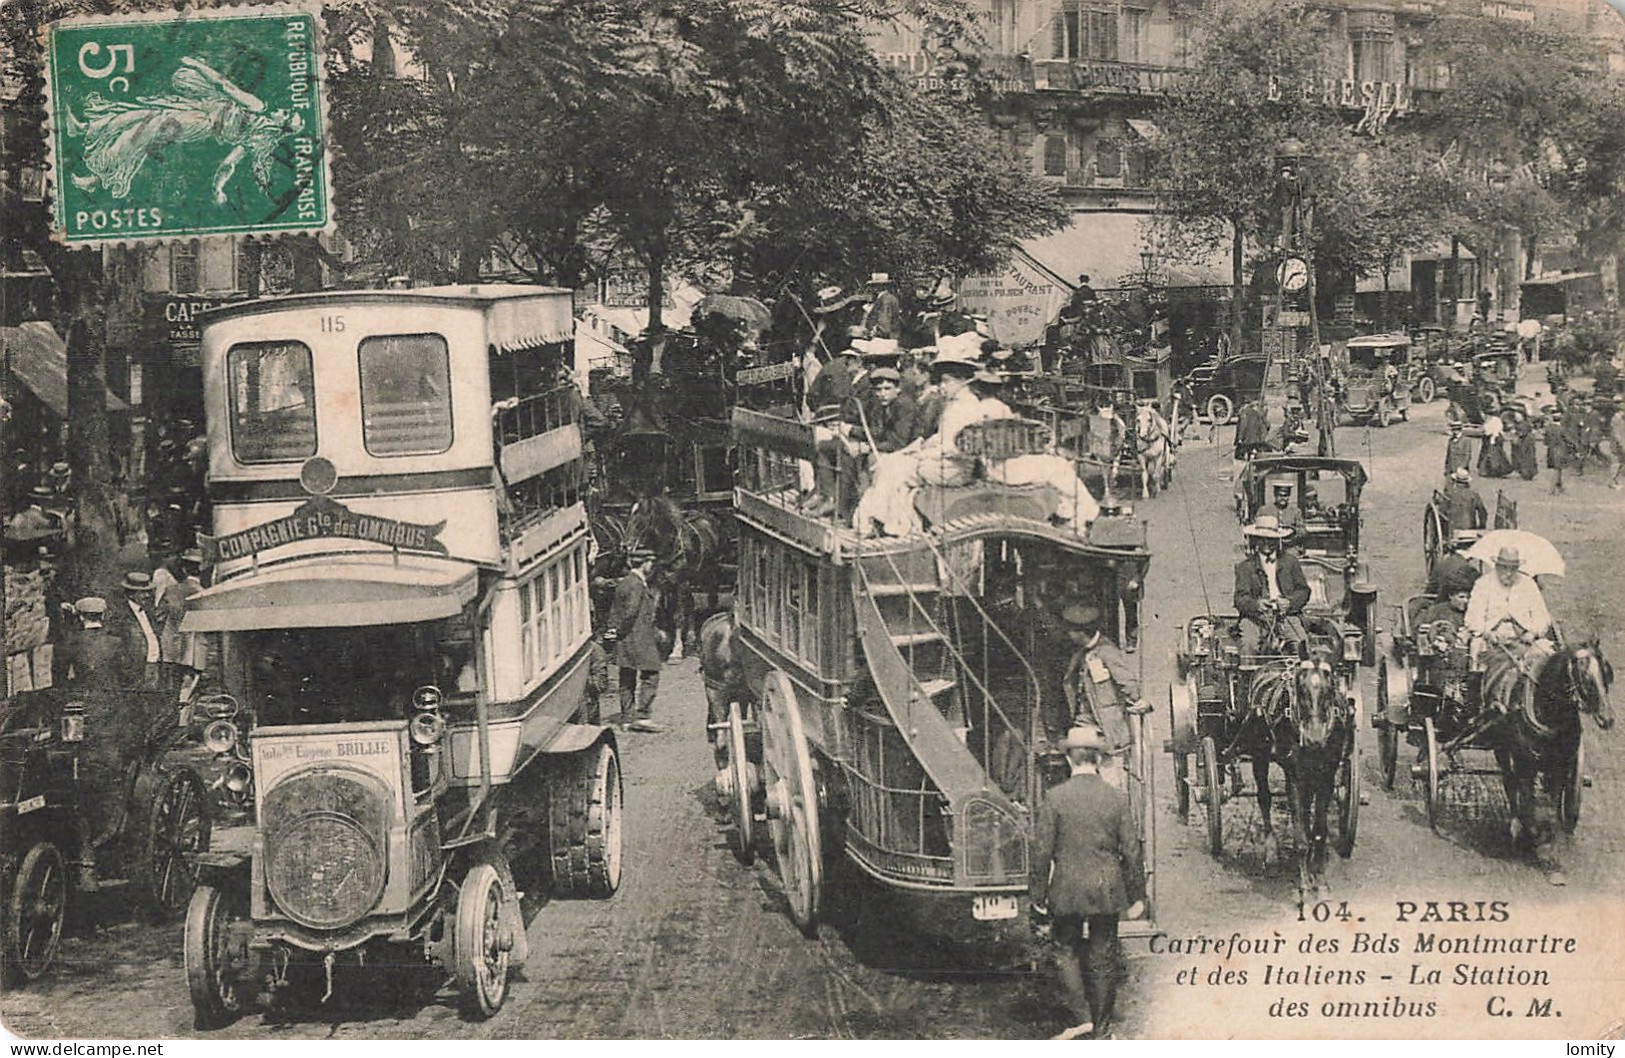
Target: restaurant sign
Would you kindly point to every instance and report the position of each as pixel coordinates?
(320, 518)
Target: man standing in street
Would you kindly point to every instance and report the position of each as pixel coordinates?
(1100, 685)
(637, 646)
(1086, 871)
(137, 622)
(1458, 453)
(1252, 434)
(1464, 507)
(179, 650)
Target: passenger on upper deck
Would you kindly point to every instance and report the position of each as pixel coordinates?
(888, 414)
(937, 460)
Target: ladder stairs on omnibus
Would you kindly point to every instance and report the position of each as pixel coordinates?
(921, 675)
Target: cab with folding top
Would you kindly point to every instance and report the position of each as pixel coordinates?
(399, 600)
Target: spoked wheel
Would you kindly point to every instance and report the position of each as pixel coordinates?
(1435, 808)
(1347, 789)
(1568, 795)
(221, 969)
(739, 777)
(1431, 533)
(482, 944)
(1213, 778)
(177, 827)
(1387, 729)
(792, 800)
(36, 906)
(1426, 390)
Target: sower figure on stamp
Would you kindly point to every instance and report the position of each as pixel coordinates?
(1086, 872)
(637, 645)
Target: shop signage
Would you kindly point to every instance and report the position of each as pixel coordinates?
(320, 518)
(175, 316)
(755, 376)
(1393, 97)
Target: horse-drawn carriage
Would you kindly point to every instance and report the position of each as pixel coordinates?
(72, 825)
(1491, 381)
(1297, 709)
(1432, 698)
(898, 699)
(1325, 493)
(1134, 449)
(1376, 384)
(1437, 527)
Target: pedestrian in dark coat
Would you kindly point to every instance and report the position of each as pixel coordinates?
(1463, 506)
(1087, 870)
(884, 319)
(1559, 447)
(637, 643)
(105, 672)
(1252, 433)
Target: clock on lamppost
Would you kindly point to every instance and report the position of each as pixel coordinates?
(1292, 274)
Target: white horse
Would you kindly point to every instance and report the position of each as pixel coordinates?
(1156, 451)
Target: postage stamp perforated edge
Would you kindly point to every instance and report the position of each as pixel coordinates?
(53, 171)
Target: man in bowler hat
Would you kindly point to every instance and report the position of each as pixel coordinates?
(1087, 870)
(637, 645)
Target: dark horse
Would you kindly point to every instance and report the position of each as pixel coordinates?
(686, 545)
(1541, 734)
(1301, 721)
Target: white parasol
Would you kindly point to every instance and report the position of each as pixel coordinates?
(1538, 557)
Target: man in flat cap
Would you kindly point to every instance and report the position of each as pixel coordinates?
(631, 627)
(1087, 871)
(888, 413)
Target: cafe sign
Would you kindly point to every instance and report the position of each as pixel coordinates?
(1391, 97)
(320, 518)
(176, 316)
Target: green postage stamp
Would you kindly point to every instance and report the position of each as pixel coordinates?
(185, 123)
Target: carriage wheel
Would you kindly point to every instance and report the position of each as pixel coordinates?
(1181, 714)
(738, 804)
(1426, 390)
(1213, 778)
(1435, 809)
(792, 800)
(1348, 781)
(1432, 532)
(177, 825)
(1220, 409)
(1568, 795)
(36, 905)
(1387, 729)
(1384, 414)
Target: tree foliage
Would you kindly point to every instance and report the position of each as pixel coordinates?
(758, 137)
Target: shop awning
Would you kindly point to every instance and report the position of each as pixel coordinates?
(329, 593)
(1111, 246)
(38, 358)
(1559, 279)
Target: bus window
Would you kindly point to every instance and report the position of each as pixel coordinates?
(273, 402)
(405, 394)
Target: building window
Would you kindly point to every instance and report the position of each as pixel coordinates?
(1131, 42)
(1086, 30)
(1371, 56)
(1005, 32)
(1054, 155)
(183, 267)
(1108, 159)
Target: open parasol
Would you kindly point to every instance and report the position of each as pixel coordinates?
(751, 314)
(1539, 558)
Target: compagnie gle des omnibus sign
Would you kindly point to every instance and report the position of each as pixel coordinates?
(320, 518)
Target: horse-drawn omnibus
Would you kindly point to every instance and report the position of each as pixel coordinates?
(399, 598)
(899, 699)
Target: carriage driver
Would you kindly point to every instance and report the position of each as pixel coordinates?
(1271, 590)
(1101, 687)
(1508, 611)
(1287, 513)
